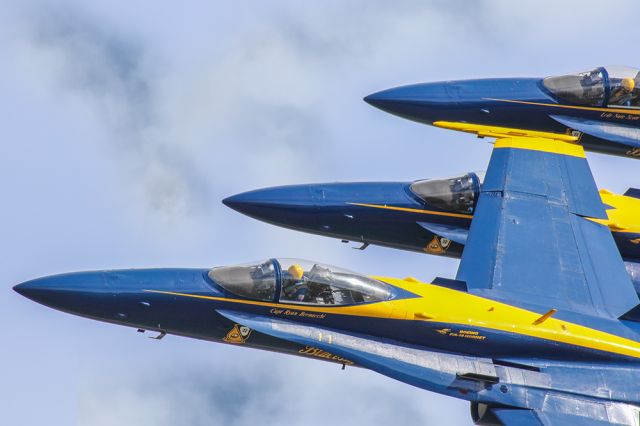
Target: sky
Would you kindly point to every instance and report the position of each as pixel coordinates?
(123, 124)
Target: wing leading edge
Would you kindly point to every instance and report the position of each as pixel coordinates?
(532, 241)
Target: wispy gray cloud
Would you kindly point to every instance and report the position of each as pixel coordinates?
(109, 67)
(253, 390)
(116, 77)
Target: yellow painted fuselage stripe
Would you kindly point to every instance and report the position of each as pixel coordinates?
(624, 217)
(378, 311)
(442, 305)
(583, 108)
(405, 209)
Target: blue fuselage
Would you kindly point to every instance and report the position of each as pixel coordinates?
(381, 213)
(187, 302)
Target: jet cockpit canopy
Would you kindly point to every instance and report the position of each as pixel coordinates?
(612, 86)
(458, 194)
(299, 281)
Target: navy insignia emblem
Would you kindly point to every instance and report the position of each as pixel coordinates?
(238, 334)
(438, 245)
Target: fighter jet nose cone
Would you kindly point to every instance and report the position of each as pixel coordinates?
(33, 289)
(382, 99)
(235, 201)
(68, 292)
(249, 203)
(274, 205)
(394, 101)
(21, 289)
(371, 99)
(252, 203)
(419, 102)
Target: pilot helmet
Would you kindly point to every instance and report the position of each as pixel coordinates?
(296, 271)
(628, 84)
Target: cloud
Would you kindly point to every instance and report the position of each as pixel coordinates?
(253, 390)
(113, 75)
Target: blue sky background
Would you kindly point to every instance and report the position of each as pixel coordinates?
(123, 124)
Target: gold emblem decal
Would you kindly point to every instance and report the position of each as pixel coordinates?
(636, 241)
(438, 245)
(238, 334)
(319, 353)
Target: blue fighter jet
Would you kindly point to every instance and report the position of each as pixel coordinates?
(406, 215)
(429, 215)
(539, 327)
(601, 107)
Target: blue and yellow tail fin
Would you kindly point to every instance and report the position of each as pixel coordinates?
(534, 237)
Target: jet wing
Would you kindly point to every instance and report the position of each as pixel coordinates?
(532, 240)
